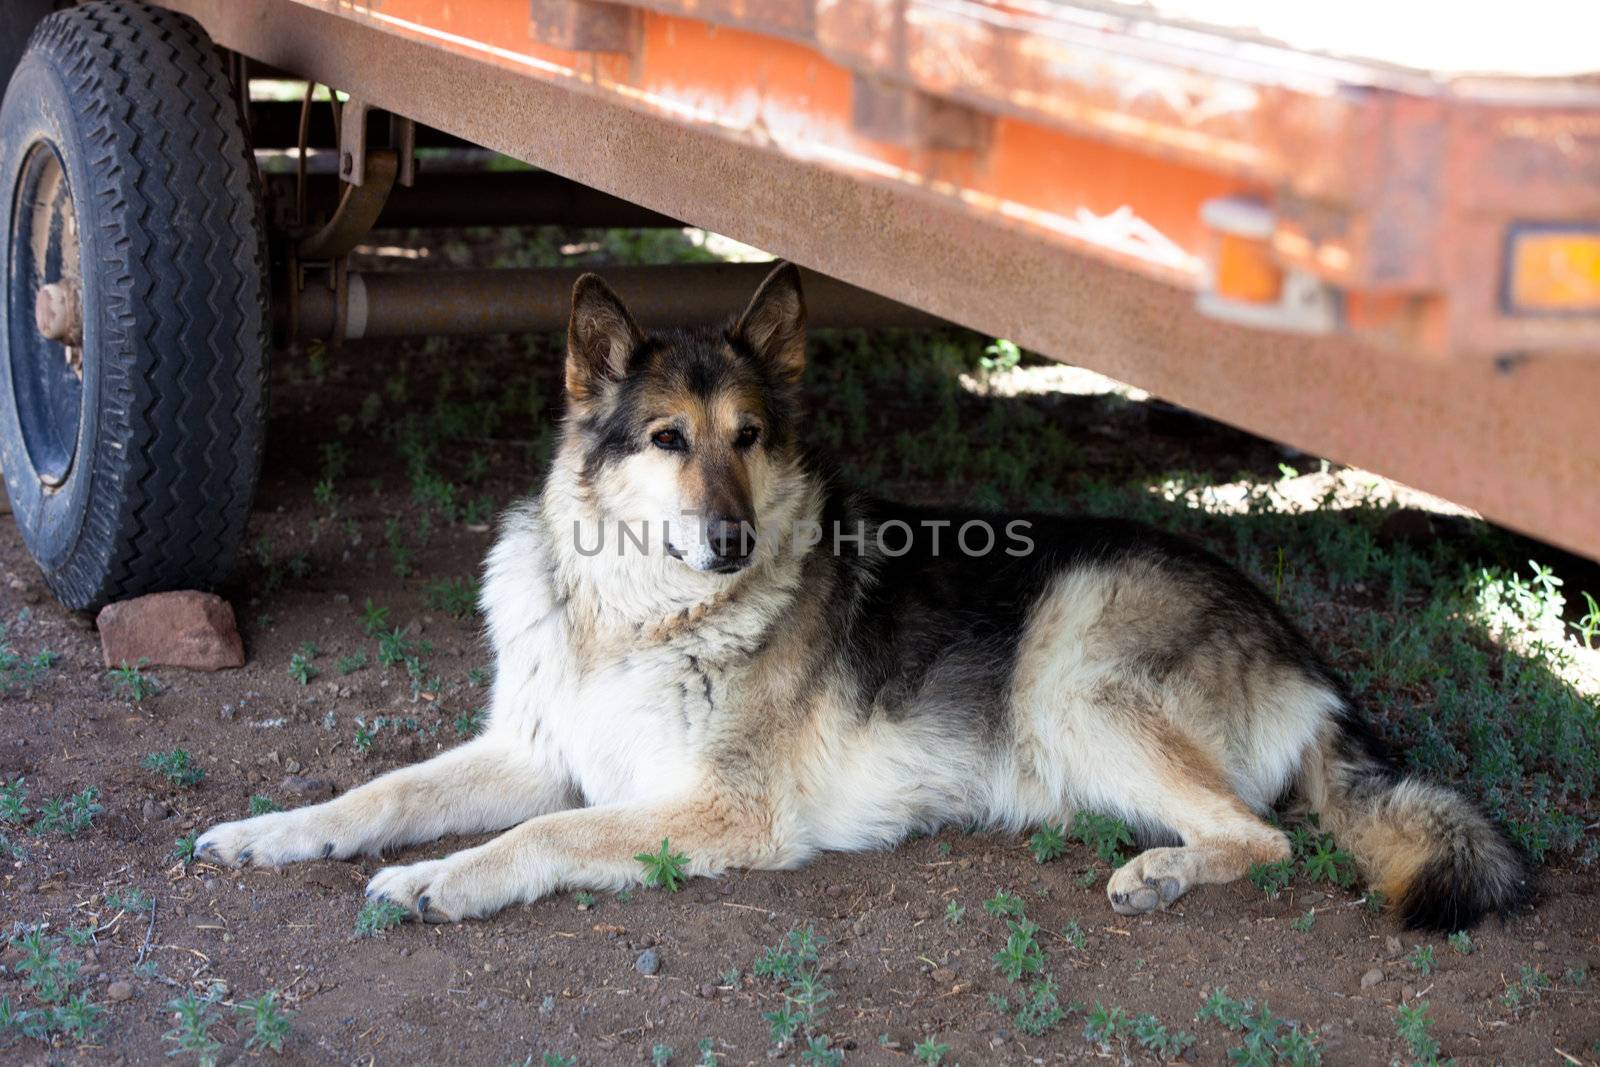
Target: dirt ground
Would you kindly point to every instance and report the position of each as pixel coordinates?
(558, 978)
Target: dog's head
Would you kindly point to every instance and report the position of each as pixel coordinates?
(687, 433)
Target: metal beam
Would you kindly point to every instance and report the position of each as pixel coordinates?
(423, 303)
(481, 198)
(1504, 437)
(276, 124)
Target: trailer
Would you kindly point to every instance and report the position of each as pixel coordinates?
(1331, 226)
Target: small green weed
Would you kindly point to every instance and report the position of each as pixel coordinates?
(819, 1052)
(191, 1032)
(1331, 864)
(21, 674)
(132, 682)
(176, 767)
(14, 802)
(129, 898)
(1415, 1029)
(457, 596)
(69, 815)
(798, 950)
(663, 869)
(48, 978)
(261, 804)
(366, 734)
(1527, 990)
(1048, 843)
(1271, 878)
(1021, 955)
(268, 1022)
(1105, 834)
(806, 993)
(1003, 904)
(1111, 1026)
(373, 619)
(930, 1051)
(377, 916)
(1268, 1040)
(183, 847)
(300, 668)
(1040, 1009)
(470, 723)
(1589, 624)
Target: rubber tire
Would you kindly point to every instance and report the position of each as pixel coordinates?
(138, 106)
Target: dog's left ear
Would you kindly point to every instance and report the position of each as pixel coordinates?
(601, 335)
(774, 325)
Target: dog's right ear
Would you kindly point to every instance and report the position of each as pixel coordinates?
(601, 336)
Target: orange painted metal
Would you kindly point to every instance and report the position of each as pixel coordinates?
(1073, 225)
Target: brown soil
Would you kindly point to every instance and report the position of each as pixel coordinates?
(555, 977)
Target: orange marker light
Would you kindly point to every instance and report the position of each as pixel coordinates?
(1555, 271)
(1245, 270)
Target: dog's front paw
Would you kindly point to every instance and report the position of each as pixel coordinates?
(457, 887)
(265, 841)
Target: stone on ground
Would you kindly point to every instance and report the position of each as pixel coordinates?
(180, 629)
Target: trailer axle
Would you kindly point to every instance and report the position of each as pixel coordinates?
(457, 302)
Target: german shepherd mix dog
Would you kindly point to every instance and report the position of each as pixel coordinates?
(795, 669)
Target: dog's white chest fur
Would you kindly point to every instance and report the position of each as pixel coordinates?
(622, 734)
(618, 721)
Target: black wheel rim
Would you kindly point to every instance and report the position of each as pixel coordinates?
(46, 373)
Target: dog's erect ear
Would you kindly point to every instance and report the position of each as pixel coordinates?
(600, 338)
(774, 325)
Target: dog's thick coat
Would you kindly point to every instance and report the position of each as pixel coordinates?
(761, 702)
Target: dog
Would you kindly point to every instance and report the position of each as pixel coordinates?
(702, 640)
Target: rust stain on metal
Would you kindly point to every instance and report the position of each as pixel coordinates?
(583, 25)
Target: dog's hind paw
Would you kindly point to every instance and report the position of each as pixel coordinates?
(1149, 881)
(264, 841)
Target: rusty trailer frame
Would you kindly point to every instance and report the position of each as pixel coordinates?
(1394, 269)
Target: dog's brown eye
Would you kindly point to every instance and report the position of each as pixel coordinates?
(747, 437)
(668, 439)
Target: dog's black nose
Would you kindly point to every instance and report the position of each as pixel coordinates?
(730, 538)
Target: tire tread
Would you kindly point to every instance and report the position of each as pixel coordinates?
(185, 280)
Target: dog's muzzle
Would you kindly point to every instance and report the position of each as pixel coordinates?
(731, 542)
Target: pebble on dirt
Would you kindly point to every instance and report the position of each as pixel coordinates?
(310, 788)
(649, 962)
(179, 629)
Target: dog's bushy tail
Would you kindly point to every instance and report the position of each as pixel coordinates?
(1440, 862)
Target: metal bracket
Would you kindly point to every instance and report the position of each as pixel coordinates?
(353, 141)
(357, 211)
(403, 139)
